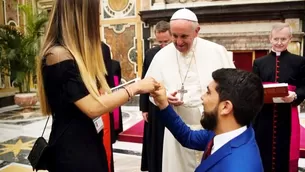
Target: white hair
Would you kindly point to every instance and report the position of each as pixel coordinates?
(194, 23)
(280, 26)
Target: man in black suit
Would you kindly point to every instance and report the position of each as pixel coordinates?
(110, 81)
(108, 64)
(153, 129)
(277, 126)
(117, 113)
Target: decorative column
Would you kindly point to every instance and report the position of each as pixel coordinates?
(296, 44)
(2, 20)
(44, 4)
(0, 80)
(295, 48)
(7, 82)
(4, 10)
(6, 79)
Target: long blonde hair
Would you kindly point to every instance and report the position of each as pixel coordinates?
(74, 24)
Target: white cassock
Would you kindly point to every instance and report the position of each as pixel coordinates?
(170, 67)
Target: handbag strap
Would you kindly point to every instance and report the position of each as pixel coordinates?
(45, 126)
(60, 133)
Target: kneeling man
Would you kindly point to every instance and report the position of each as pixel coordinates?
(231, 102)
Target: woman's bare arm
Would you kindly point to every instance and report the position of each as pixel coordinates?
(94, 108)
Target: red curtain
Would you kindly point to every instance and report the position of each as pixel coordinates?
(243, 60)
(260, 53)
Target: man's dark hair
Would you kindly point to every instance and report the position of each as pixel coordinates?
(245, 91)
(162, 26)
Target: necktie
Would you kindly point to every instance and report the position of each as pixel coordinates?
(208, 149)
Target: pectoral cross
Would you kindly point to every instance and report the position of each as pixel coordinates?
(182, 91)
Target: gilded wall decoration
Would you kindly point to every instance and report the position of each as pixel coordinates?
(12, 12)
(118, 5)
(121, 39)
(295, 48)
(118, 9)
(1, 12)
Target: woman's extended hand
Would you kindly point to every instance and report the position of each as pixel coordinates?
(146, 85)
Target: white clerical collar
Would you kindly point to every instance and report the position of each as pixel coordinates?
(191, 51)
(222, 139)
(278, 53)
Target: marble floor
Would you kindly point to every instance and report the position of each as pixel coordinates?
(19, 131)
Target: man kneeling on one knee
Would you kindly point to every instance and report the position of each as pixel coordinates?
(231, 102)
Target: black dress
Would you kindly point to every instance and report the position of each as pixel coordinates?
(75, 144)
(153, 130)
(273, 125)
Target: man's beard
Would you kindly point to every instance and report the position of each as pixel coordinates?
(209, 120)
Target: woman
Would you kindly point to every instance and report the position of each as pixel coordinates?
(70, 76)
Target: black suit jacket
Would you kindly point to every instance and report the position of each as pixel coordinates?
(153, 130)
(108, 64)
(110, 81)
(116, 69)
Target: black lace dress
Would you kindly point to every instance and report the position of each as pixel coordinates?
(75, 144)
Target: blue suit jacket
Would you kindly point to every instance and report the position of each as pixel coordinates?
(240, 154)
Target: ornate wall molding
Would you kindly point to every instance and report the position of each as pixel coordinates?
(2, 12)
(222, 1)
(122, 41)
(45, 4)
(229, 13)
(243, 41)
(247, 41)
(114, 9)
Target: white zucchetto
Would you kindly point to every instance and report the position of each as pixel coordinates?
(184, 14)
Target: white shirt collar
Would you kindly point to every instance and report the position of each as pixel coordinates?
(278, 53)
(222, 139)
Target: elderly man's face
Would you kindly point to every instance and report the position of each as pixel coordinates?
(280, 39)
(183, 34)
(163, 38)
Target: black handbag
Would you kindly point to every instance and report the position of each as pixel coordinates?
(38, 155)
